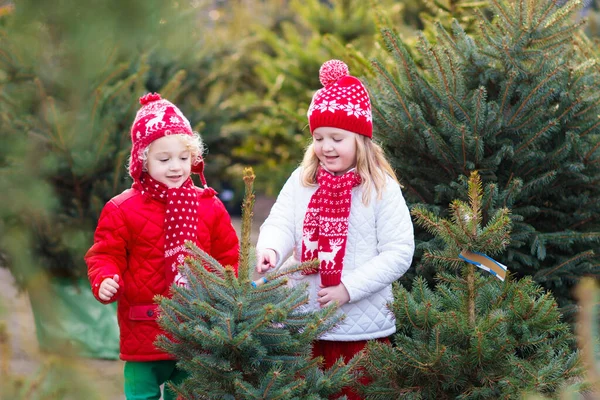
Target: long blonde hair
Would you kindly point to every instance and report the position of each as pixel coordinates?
(371, 165)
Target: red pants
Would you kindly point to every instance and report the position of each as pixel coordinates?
(332, 351)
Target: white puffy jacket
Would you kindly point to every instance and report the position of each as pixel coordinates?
(379, 250)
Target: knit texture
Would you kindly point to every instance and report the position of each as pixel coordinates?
(157, 118)
(181, 222)
(325, 229)
(343, 102)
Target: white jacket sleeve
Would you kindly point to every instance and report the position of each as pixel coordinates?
(277, 232)
(395, 246)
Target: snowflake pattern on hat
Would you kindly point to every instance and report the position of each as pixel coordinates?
(342, 103)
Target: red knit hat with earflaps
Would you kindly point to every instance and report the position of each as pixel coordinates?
(156, 118)
(343, 102)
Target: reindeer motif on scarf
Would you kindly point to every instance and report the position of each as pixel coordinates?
(310, 246)
(328, 257)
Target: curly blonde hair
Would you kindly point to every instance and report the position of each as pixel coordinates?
(193, 143)
(371, 165)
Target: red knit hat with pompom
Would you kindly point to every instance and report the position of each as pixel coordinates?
(156, 118)
(343, 102)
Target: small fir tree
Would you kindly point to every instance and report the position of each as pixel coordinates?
(519, 102)
(473, 337)
(242, 341)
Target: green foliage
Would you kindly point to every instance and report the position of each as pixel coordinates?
(63, 126)
(472, 337)
(592, 16)
(218, 90)
(519, 103)
(70, 77)
(58, 378)
(289, 46)
(241, 341)
(424, 15)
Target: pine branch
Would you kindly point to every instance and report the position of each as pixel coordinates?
(391, 83)
(401, 54)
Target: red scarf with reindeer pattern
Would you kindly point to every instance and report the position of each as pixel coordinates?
(325, 229)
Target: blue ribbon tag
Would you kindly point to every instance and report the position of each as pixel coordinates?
(484, 262)
(258, 282)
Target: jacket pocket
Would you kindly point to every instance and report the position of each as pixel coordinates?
(143, 312)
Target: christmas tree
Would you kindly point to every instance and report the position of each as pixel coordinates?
(519, 103)
(474, 336)
(243, 340)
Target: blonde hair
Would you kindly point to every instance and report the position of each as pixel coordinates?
(371, 165)
(193, 143)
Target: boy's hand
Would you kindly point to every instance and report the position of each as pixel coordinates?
(108, 288)
(336, 294)
(265, 259)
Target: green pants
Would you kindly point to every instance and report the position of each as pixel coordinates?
(143, 379)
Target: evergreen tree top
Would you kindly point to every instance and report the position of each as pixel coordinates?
(472, 337)
(518, 102)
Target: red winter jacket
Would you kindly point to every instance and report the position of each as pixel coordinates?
(129, 242)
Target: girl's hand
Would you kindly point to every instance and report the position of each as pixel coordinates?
(333, 294)
(265, 259)
(108, 288)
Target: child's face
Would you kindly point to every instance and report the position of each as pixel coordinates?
(169, 161)
(336, 148)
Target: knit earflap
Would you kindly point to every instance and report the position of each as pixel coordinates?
(198, 168)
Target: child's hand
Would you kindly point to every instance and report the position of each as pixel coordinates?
(265, 259)
(336, 294)
(108, 288)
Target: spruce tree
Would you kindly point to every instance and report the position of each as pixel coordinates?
(518, 102)
(473, 336)
(243, 341)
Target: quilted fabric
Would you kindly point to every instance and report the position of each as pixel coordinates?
(379, 251)
(129, 241)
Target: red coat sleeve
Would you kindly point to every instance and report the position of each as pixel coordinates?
(108, 255)
(225, 246)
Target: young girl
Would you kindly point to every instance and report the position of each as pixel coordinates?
(141, 234)
(344, 206)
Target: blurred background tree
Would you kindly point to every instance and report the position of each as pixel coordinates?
(518, 102)
(287, 47)
(70, 77)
